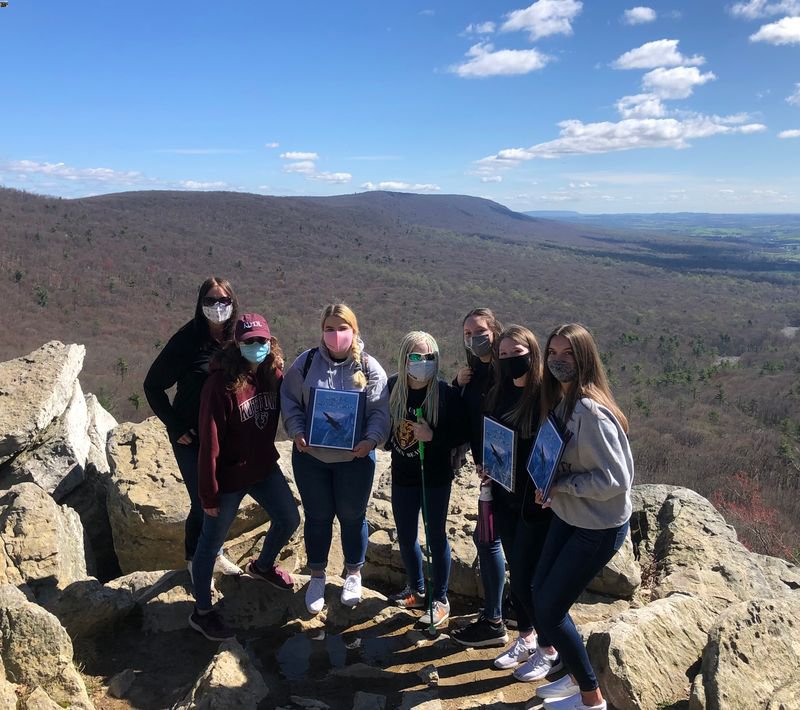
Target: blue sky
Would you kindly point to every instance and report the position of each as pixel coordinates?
(594, 106)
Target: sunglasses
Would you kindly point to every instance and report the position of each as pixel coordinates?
(419, 357)
(250, 341)
(213, 301)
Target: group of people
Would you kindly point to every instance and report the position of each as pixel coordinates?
(233, 387)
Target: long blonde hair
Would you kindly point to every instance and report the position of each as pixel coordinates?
(525, 415)
(398, 400)
(343, 311)
(591, 380)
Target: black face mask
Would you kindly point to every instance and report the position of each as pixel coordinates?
(515, 366)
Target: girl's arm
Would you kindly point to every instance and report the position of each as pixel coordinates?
(376, 420)
(213, 423)
(292, 404)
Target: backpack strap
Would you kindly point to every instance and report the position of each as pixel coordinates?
(307, 363)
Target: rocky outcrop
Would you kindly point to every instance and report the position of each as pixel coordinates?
(37, 651)
(642, 656)
(753, 656)
(230, 681)
(42, 542)
(34, 390)
(147, 500)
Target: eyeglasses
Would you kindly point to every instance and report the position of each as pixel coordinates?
(250, 341)
(213, 300)
(419, 357)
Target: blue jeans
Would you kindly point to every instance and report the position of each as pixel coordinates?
(186, 457)
(406, 506)
(526, 550)
(341, 490)
(274, 496)
(570, 560)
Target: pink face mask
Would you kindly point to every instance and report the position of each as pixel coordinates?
(337, 341)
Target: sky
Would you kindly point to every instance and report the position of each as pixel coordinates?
(598, 106)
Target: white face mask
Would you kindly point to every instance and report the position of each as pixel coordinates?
(218, 313)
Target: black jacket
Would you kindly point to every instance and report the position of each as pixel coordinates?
(184, 361)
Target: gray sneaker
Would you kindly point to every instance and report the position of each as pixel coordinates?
(441, 614)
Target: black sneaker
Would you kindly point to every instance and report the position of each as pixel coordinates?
(481, 634)
(211, 626)
(275, 576)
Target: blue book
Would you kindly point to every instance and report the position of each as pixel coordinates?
(546, 454)
(499, 452)
(335, 418)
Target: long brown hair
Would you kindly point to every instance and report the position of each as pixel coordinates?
(201, 322)
(494, 325)
(591, 380)
(525, 415)
(237, 369)
(343, 311)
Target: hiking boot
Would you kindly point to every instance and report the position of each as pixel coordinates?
(315, 595)
(481, 634)
(222, 565)
(211, 626)
(351, 591)
(408, 599)
(572, 702)
(518, 652)
(538, 666)
(274, 576)
(561, 688)
(441, 613)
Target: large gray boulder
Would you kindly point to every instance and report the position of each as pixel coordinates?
(34, 390)
(231, 681)
(148, 502)
(57, 461)
(643, 656)
(752, 659)
(37, 651)
(42, 542)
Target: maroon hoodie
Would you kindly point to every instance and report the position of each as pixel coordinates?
(237, 436)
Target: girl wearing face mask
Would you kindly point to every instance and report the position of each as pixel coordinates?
(417, 386)
(333, 482)
(239, 413)
(591, 501)
(184, 361)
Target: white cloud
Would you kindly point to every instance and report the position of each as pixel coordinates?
(480, 28)
(544, 18)
(639, 15)
(659, 53)
(66, 172)
(272, 145)
(785, 31)
(484, 61)
(304, 167)
(581, 185)
(675, 83)
(427, 13)
(641, 106)
(578, 138)
(332, 178)
(794, 99)
(793, 133)
(198, 185)
(299, 155)
(492, 178)
(398, 186)
(756, 9)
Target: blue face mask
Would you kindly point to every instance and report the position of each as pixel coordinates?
(254, 352)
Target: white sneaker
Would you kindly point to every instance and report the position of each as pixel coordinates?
(561, 688)
(351, 591)
(222, 565)
(572, 702)
(538, 666)
(315, 595)
(518, 652)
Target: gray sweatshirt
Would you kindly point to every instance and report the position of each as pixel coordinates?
(326, 373)
(593, 488)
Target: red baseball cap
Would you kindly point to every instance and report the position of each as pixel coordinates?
(251, 325)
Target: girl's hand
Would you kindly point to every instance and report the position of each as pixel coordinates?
(362, 448)
(464, 376)
(186, 439)
(213, 512)
(422, 431)
(482, 473)
(540, 499)
(300, 443)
